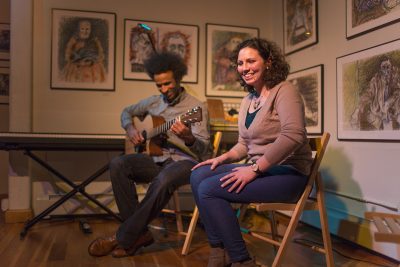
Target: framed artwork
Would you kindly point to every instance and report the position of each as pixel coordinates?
(4, 41)
(182, 39)
(221, 76)
(82, 50)
(363, 16)
(300, 24)
(368, 93)
(310, 82)
(4, 85)
(4, 64)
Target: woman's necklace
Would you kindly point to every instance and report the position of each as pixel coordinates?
(257, 101)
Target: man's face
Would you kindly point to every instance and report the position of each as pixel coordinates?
(167, 85)
(177, 45)
(84, 29)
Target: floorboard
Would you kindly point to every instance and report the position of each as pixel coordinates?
(62, 243)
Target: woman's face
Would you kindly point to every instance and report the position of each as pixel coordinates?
(251, 66)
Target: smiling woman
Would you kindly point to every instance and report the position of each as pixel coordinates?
(272, 136)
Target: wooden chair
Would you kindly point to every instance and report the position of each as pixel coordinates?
(175, 198)
(387, 225)
(177, 209)
(195, 214)
(318, 145)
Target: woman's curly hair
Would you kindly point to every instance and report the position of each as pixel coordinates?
(166, 61)
(278, 69)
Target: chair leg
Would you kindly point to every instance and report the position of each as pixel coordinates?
(274, 229)
(190, 232)
(324, 223)
(178, 213)
(241, 212)
(290, 229)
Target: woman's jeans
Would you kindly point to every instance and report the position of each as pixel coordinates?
(278, 184)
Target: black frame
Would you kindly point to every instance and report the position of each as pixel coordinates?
(188, 31)
(370, 25)
(366, 63)
(290, 49)
(299, 79)
(108, 41)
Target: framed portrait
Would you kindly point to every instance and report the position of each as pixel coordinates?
(221, 76)
(143, 37)
(310, 82)
(82, 50)
(4, 85)
(364, 16)
(368, 93)
(300, 24)
(4, 63)
(4, 41)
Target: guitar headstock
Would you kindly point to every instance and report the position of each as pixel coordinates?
(192, 116)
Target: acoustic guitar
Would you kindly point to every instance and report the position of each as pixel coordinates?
(152, 126)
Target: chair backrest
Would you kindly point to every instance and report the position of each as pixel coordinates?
(216, 143)
(318, 146)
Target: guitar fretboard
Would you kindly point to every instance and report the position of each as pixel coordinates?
(162, 128)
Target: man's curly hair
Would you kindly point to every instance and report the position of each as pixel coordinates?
(278, 69)
(163, 62)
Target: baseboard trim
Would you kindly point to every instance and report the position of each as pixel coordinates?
(18, 216)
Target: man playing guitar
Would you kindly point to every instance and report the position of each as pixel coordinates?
(180, 143)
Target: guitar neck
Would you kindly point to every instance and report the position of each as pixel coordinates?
(162, 128)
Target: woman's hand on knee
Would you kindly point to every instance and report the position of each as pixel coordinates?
(214, 162)
(238, 178)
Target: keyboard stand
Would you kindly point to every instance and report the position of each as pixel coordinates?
(75, 189)
(29, 142)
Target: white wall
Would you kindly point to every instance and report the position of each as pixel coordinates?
(364, 170)
(98, 112)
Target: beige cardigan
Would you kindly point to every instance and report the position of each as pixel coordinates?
(278, 130)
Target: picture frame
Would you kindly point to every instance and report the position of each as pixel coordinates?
(4, 85)
(300, 25)
(5, 41)
(310, 82)
(363, 17)
(182, 39)
(221, 76)
(83, 50)
(368, 96)
(4, 63)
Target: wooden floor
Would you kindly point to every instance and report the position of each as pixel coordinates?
(62, 243)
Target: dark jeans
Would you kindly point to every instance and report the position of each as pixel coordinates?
(164, 179)
(279, 184)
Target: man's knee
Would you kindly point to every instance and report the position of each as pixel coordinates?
(116, 163)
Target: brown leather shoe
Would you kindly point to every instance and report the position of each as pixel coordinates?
(146, 239)
(102, 246)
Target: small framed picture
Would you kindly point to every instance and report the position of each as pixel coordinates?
(4, 41)
(4, 85)
(4, 64)
(83, 50)
(310, 85)
(365, 16)
(142, 38)
(221, 76)
(300, 24)
(368, 94)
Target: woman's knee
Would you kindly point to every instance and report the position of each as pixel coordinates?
(199, 174)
